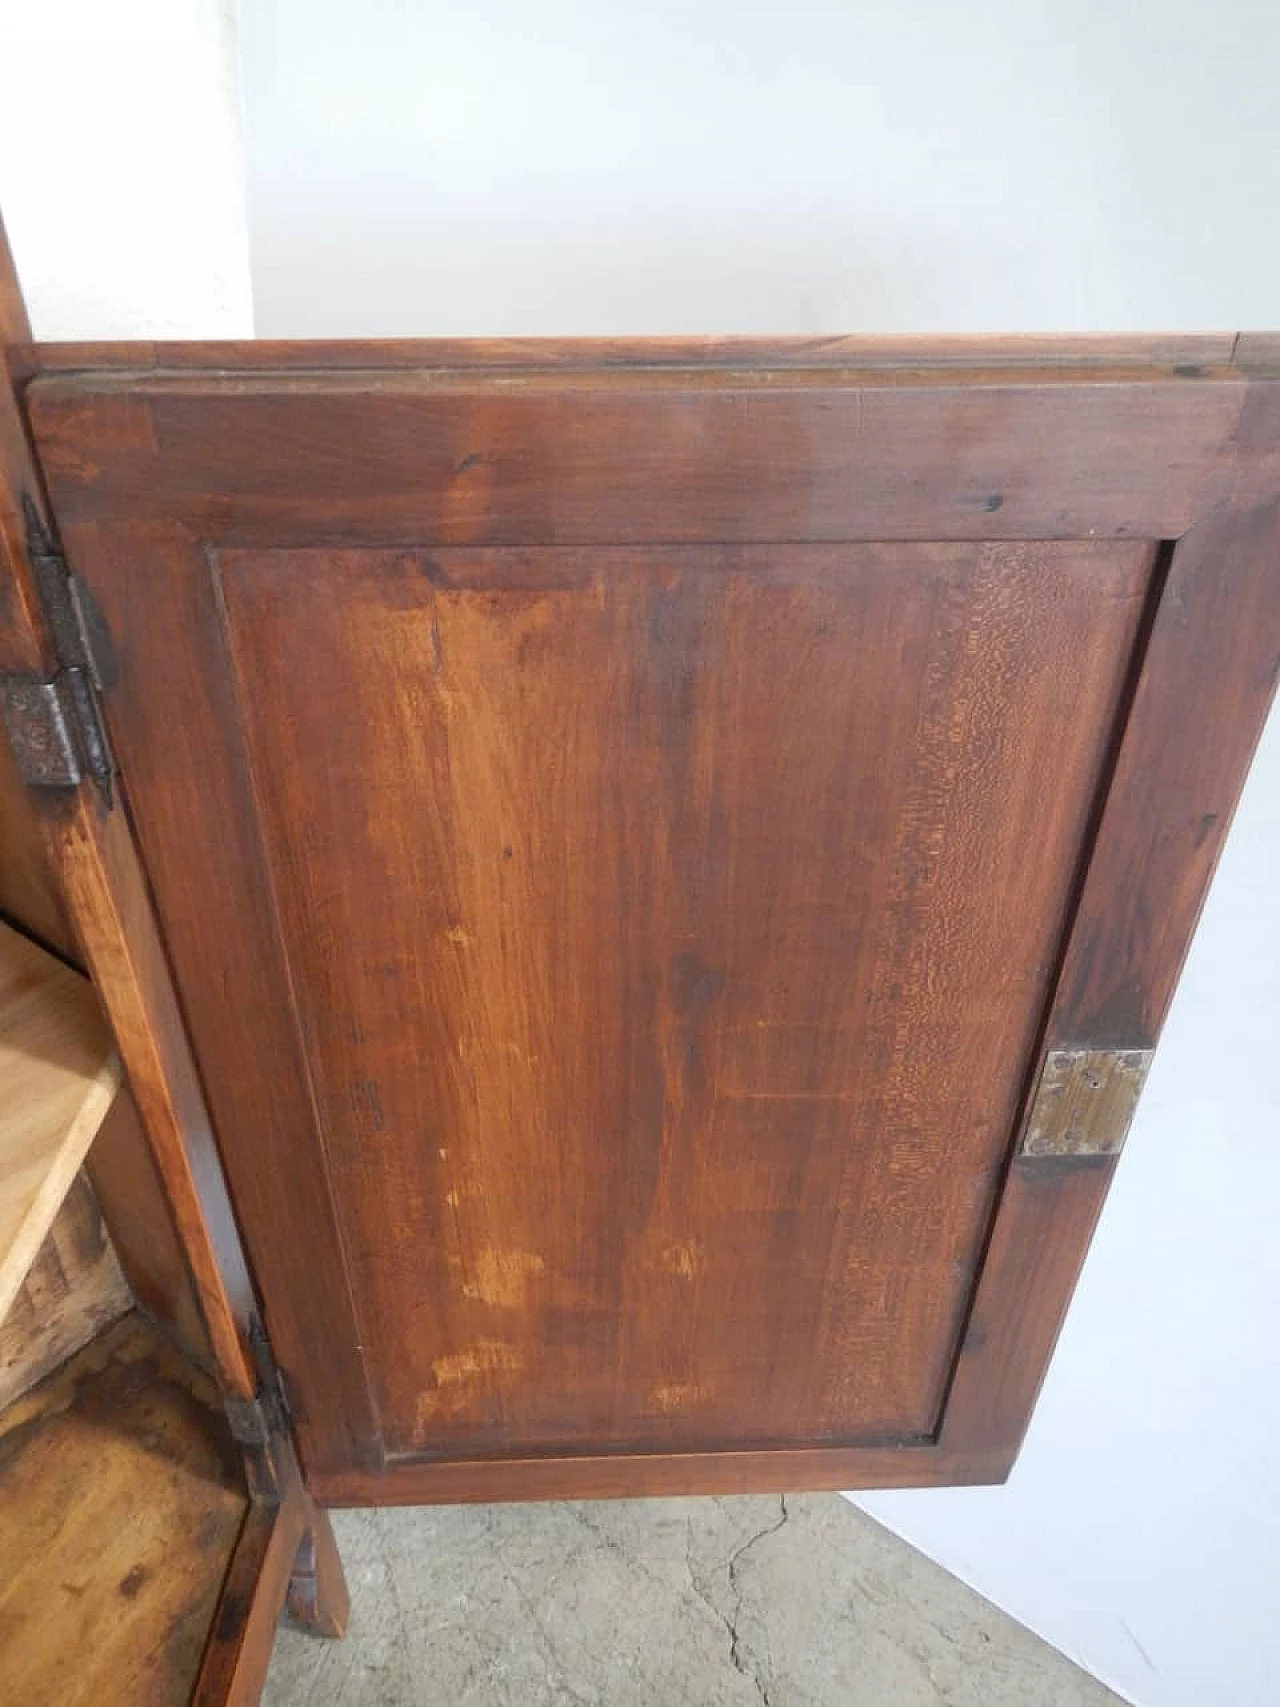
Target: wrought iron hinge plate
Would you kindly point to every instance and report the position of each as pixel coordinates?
(54, 723)
(55, 731)
(257, 1421)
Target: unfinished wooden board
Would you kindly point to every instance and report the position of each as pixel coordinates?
(58, 1075)
(139, 1221)
(73, 1290)
(121, 1500)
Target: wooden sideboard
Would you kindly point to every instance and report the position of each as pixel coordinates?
(634, 884)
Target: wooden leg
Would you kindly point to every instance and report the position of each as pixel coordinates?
(318, 1597)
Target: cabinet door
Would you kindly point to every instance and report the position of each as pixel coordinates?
(636, 841)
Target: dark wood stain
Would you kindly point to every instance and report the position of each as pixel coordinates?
(627, 821)
(657, 959)
(644, 455)
(124, 1508)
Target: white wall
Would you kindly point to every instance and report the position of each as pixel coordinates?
(121, 172)
(733, 166)
(696, 165)
(1141, 1529)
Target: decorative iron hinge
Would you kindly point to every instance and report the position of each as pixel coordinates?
(256, 1421)
(54, 723)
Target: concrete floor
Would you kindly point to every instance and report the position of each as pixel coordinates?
(694, 1603)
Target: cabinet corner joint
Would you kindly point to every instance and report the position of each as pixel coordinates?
(256, 1422)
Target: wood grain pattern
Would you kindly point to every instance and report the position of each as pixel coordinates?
(72, 1291)
(131, 1196)
(286, 1556)
(129, 1190)
(28, 890)
(235, 1661)
(1046, 1218)
(120, 1503)
(104, 894)
(639, 455)
(58, 1076)
(261, 1117)
(1210, 675)
(514, 729)
(121, 1496)
(644, 617)
(656, 1038)
(1204, 684)
(1157, 352)
(632, 1475)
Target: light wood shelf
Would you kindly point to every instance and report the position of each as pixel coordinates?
(58, 1076)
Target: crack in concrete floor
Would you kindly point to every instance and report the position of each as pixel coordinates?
(799, 1601)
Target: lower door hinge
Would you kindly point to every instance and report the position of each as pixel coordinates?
(54, 723)
(256, 1421)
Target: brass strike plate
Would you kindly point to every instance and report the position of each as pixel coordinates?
(1085, 1101)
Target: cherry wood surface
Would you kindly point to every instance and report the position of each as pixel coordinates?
(1164, 352)
(128, 1188)
(627, 821)
(657, 1112)
(125, 1496)
(102, 892)
(28, 889)
(131, 1195)
(645, 454)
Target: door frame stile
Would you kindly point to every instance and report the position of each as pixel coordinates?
(106, 897)
(1204, 685)
(105, 893)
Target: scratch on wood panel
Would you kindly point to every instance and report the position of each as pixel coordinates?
(501, 1277)
(678, 1395)
(683, 1258)
(789, 1096)
(485, 1357)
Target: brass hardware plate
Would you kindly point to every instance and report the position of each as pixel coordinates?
(1085, 1102)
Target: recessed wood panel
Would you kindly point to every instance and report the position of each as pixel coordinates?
(618, 949)
(667, 932)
